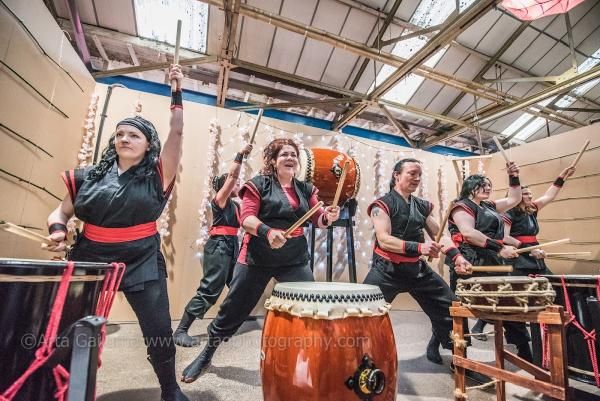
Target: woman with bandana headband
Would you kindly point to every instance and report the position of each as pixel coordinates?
(220, 251)
(119, 200)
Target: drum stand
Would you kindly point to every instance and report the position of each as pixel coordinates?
(554, 383)
(346, 220)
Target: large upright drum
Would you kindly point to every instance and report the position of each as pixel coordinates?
(328, 342)
(323, 167)
(27, 292)
(572, 292)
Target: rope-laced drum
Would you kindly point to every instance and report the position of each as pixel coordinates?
(41, 300)
(506, 294)
(328, 342)
(323, 167)
(576, 293)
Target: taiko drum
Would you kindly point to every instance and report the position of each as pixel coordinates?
(27, 290)
(328, 342)
(323, 168)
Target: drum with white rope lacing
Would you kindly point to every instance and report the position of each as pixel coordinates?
(328, 342)
(506, 294)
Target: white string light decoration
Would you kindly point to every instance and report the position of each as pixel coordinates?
(89, 131)
(86, 150)
(212, 163)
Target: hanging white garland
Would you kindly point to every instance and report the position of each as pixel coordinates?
(89, 131)
(86, 150)
(212, 164)
(480, 167)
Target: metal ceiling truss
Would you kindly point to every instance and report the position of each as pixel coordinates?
(459, 23)
(228, 46)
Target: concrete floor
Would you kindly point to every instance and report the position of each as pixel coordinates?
(235, 375)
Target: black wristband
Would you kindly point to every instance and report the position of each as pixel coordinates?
(263, 230)
(493, 245)
(514, 181)
(559, 182)
(54, 227)
(239, 158)
(453, 253)
(176, 99)
(411, 248)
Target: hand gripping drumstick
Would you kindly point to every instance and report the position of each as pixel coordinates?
(551, 243)
(340, 185)
(23, 232)
(303, 219)
(258, 117)
(587, 143)
(501, 149)
(492, 269)
(438, 236)
(176, 56)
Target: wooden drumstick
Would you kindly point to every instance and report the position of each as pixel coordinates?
(568, 253)
(340, 185)
(176, 55)
(438, 236)
(258, 117)
(547, 244)
(501, 149)
(303, 219)
(23, 232)
(587, 143)
(492, 269)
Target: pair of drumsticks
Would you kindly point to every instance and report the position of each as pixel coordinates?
(319, 204)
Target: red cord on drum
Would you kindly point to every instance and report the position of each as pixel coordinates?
(45, 351)
(589, 336)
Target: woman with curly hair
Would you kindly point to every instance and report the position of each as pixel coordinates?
(119, 200)
(220, 251)
(271, 202)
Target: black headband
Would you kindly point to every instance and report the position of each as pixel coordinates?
(145, 127)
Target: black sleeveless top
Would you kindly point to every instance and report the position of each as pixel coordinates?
(407, 218)
(489, 222)
(228, 216)
(276, 212)
(117, 201)
(524, 224)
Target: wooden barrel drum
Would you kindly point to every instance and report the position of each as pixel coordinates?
(328, 342)
(323, 168)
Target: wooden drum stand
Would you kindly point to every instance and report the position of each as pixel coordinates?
(554, 383)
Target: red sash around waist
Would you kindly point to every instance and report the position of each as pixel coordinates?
(526, 239)
(121, 234)
(458, 238)
(223, 230)
(395, 257)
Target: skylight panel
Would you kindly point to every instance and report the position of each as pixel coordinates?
(564, 101)
(428, 13)
(156, 20)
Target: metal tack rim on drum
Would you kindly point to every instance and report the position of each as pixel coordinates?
(319, 300)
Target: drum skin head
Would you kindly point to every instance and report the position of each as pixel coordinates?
(323, 300)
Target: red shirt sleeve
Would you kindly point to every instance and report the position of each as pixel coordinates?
(250, 205)
(314, 199)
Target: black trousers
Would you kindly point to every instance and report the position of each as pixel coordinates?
(220, 254)
(515, 332)
(423, 284)
(246, 288)
(151, 306)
